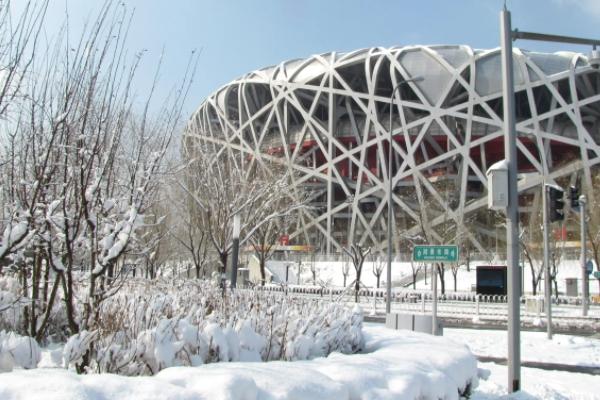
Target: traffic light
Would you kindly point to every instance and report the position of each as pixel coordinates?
(556, 203)
(574, 196)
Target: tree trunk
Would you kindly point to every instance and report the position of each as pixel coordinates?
(533, 282)
(49, 304)
(67, 283)
(440, 271)
(378, 278)
(25, 326)
(263, 274)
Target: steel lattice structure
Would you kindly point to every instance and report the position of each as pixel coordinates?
(327, 119)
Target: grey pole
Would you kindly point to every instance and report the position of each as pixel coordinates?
(235, 250)
(434, 300)
(388, 284)
(585, 295)
(512, 214)
(547, 286)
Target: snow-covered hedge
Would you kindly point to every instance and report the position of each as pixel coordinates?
(152, 325)
(395, 365)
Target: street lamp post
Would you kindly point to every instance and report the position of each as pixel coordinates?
(388, 302)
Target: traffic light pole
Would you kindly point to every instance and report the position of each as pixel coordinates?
(512, 211)
(547, 283)
(512, 221)
(585, 290)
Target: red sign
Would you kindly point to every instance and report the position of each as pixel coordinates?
(284, 240)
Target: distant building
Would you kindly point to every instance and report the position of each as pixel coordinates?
(327, 118)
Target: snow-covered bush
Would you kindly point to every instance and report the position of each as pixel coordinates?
(18, 351)
(15, 306)
(10, 303)
(152, 325)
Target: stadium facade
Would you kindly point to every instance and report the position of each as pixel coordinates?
(326, 118)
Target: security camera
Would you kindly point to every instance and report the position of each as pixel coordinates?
(594, 59)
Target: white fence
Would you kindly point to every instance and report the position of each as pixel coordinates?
(459, 305)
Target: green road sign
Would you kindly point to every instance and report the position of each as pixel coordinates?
(435, 253)
(596, 274)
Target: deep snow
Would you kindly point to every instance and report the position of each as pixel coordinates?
(396, 365)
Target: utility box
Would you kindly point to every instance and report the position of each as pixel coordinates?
(413, 322)
(497, 179)
(534, 304)
(571, 287)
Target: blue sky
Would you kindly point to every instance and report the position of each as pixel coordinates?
(238, 36)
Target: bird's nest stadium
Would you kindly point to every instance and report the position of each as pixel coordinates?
(327, 118)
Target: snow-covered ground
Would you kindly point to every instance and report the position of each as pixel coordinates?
(562, 349)
(535, 383)
(395, 365)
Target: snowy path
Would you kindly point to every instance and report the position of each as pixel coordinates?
(399, 364)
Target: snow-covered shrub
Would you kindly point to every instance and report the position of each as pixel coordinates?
(18, 351)
(152, 325)
(77, 346)
(13, 305)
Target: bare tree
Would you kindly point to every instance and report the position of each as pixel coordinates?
(593, 218)
(416, 267)
(223, 185)
(357, 254)
(345, 270)
(263, 242)
(533, 256)
(84, 168)
(454, 268)
(190, 230)
(19, 38)
(378, 267)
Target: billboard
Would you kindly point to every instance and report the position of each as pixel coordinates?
(491, 279)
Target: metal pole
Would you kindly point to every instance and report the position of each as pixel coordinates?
(434, 303)
(512, 215)
(235, 250)
(584, 275)
(388, 301)
(388, 283)
(547, 285)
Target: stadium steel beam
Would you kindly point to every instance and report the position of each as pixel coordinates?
(388, 301)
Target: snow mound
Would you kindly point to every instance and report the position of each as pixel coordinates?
(398, 365)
